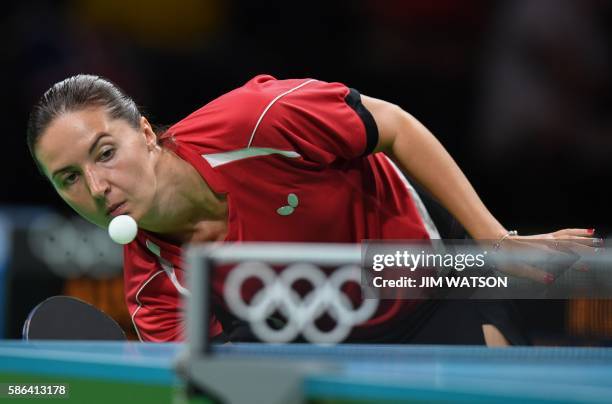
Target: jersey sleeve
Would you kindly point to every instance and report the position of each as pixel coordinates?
(321, 121)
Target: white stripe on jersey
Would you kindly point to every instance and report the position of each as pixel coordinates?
(218, 159)
(430, 227)
(270, 105)
(140, 304)
(168, 269)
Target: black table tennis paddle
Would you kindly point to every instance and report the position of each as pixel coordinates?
(69, 318)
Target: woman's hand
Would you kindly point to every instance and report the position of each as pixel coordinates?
(527, 256)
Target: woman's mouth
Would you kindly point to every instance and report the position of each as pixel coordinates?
(116, 209)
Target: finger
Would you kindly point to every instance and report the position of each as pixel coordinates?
(563, 252)
(528, 272)
(590, 242)
(583, 250)
(559, 237)
(575, 232)
(540, 246)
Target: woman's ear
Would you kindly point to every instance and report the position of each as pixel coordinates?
(148, 133)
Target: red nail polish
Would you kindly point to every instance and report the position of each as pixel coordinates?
(591, 231)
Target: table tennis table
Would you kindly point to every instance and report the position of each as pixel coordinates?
(115, 372)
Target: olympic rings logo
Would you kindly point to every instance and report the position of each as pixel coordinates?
(72, 247)
(277, 294)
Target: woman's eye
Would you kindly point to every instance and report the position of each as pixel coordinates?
(70, 179)
(107, 154)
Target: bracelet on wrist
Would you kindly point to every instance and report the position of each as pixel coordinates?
(498, 243)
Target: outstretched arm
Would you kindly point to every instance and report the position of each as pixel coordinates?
(418, 153)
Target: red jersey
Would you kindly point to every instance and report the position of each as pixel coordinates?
(259, 144)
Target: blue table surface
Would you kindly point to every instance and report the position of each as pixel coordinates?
(129, 361)
(535, 374)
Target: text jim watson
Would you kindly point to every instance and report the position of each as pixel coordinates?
(435, 281)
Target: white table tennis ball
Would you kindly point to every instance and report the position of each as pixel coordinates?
(122, 229)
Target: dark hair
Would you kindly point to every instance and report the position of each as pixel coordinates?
(77, 93)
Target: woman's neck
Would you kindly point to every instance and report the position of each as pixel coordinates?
(186, 208)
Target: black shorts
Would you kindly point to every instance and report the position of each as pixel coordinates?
(459, 322)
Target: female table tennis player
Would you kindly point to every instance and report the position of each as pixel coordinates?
(224, 173)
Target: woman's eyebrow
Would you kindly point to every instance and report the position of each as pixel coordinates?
(99, 136)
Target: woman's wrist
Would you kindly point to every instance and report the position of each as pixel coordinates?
(489, 231)
(499, 242)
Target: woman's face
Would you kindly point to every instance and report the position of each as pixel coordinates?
(102, 167)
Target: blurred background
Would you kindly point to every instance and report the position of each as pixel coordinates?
(518, 91)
